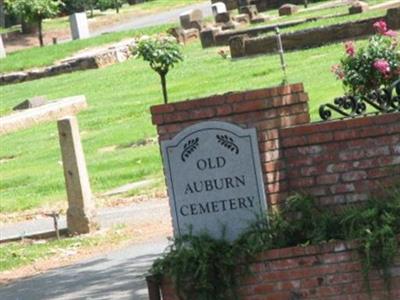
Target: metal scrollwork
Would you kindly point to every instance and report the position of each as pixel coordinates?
(385, 100)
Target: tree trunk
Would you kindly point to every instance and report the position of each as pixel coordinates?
(117, 5)
(164, 87)
(40, 33)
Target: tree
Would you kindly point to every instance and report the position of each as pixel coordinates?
(162, 54)
(74, 6)
(106, 4)
(35, 11)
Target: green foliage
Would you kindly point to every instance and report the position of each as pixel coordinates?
(73, 6)
(34, 10)
(373, 66)
(205, 268)
(107, 4)
(376, 227)
(161, 53)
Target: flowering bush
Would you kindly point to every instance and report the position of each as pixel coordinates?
(373, 66)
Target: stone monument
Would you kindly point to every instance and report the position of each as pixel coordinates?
(214, 179)
(79, 26)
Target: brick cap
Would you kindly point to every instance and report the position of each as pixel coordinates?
(223, 98)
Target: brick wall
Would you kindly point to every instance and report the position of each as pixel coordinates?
(267, 110)
(330, 272)
(339, 161)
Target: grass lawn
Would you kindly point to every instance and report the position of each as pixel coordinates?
(118, 117)
(18, 254)
(39, 57)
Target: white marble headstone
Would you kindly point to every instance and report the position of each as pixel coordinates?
(2, 49)
(214, 179)
(79, 26)
(218, 8)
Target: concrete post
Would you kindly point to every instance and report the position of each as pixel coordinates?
(81, 209)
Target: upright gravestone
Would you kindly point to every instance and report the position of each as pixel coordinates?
(2, 49)
(79, 26)
(214, 179)
(218, 8)
(191, 19)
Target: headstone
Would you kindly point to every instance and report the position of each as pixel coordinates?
(79, 26)
(288, 9)
(192, 19)
(218, 8)
(237, 45)
(214, 179)
(242, 18)
(223, 17)
(207, 37)
(250, 10)
(184, 36)
(358, 7)
(393, 17)
(31, 103)
(2, 49)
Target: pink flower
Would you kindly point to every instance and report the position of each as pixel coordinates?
(380, 27)
(390, 33)
(382, 66)
(350, 48)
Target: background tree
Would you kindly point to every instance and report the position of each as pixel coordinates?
(35, 11)
(106, 4)
(73, 6)
(162, 54)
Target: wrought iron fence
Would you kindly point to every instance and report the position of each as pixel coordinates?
(386, 100)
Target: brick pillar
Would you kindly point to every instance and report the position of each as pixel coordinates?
(267, 110)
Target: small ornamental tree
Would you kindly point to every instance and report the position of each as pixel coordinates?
(374, 66)
(35, 11)
(162, 54)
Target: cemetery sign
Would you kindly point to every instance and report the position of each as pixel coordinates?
(214, 179)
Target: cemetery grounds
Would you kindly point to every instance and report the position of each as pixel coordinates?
(119, 140)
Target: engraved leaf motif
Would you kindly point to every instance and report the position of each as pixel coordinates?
(228, 143)
(189, 147)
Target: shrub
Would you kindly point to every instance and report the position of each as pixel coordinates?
(206, 268)
(371, 67)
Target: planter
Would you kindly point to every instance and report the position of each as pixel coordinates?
(328, 271)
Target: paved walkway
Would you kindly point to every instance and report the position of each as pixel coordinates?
(119, 275)
(137, 213)
(169, 16)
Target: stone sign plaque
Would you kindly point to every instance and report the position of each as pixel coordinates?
(214, 179)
